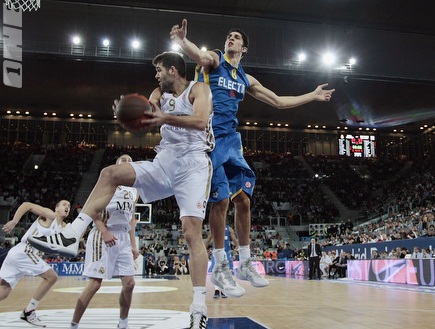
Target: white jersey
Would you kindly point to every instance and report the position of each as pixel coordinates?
(184, 140)
(23, 259)
(105, 262)
(120, 209)
(38, 230)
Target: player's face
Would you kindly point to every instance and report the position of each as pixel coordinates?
(163, 77)
(234, 43)
(63, 208)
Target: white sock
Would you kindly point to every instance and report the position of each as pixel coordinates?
(80, 224)
(199, 295)
(32, 305)
(123, 323)
(244, 253)
(219, 255)
(74, 325)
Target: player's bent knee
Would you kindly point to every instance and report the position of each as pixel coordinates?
(51, 276)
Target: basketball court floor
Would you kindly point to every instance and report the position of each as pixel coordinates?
(163, 303)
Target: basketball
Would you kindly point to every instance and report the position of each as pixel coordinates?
(131, 112)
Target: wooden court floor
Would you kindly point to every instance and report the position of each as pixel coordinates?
(286, 303)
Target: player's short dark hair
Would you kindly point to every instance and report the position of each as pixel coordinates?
(171, 58)
(243, 34)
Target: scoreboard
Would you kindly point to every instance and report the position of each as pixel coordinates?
(358, 146)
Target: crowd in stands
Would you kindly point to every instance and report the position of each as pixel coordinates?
(57, 175)
(402, 189)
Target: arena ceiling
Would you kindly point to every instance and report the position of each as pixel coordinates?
(391, 87)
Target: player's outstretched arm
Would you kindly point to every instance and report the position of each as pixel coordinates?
(43, 212)
(258, 91)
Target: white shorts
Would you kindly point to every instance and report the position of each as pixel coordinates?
(185, 177)
(105, 262)
(22, 260)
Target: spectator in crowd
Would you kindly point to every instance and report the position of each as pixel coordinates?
(150, 265)
(184, 266)
(341, 265)
(425, 253)
(325, 262)
(416, 254)
(177, 265)
(375, 254)
(162, 268)
(287, 252)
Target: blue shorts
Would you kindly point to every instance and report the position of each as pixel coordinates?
(231, 172)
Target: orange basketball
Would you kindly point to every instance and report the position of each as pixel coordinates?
(132, 110)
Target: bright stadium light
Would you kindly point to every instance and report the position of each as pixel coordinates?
(135, 44)
(76, 40)
(328, 59)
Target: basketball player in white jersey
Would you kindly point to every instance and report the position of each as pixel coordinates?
(24, 260)
(104, 262)
(181, 168)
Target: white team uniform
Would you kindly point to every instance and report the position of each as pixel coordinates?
(104, 262)
(181, 167)
(23, 259)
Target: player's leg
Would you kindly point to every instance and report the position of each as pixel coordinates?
(241, 185)
(242, 215)
(246, 270)
(49, 278)
(5, 289)
(221, 275)
(198, 260)
(85, 298)
(125, 298)
(124, 268)
(9, 275)
(66, 243)
(191, 190)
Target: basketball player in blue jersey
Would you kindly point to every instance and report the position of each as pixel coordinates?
(233, 179)
(183, 109)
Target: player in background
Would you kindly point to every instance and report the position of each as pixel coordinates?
(233, 179)
(104, 262)
(24, 260)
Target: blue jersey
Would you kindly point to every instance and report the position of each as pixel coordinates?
(228, 85)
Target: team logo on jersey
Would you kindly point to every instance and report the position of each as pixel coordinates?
(215, 194)
(248, 185)
(234, 73)
(198, 205)
(101, 270)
